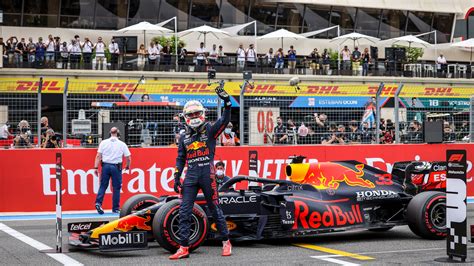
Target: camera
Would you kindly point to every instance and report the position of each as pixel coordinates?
(211, 74)
(247, 75)
(24, 130)
(53, 137)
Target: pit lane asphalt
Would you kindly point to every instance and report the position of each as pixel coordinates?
(397, 246)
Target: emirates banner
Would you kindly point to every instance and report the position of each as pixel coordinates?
(27, 177)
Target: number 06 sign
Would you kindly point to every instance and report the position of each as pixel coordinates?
(262, 121)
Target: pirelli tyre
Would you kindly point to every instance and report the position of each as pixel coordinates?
(136, 203)
(426, 215)
(165, 226)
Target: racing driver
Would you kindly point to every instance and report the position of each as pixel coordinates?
(196, 147)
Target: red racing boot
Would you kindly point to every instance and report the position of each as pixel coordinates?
(183, 252)
(226, 248)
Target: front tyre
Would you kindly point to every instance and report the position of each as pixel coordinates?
(137, 203)
(166, 226)
(426, 215)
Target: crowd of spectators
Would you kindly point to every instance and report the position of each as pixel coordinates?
(84, 53)
(321, 131)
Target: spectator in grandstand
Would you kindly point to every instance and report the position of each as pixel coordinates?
(354, 136)
(326, 61)
(51, 140)
(333, 137)
(213, 55)
(292, 132)
(40, 50)
(220, 55)
(22, 46)
(31, 48)
(182, 52)
(64, 53)
(314, 58)
(303, 131)
(5, 131)
(2, 44)
(441, 65)
(11, 47)
(365, 62)
(292, 59)
(50, 45)
(280, 133)
(448, 132)
(269, 58)
(178, 127)
(20, 52)
(229, 138)
(114, 54)
(109, 155)
(141, 57)
(320, 127)
(463, 130)
(153, 54)
(75, 53)
(221, 178)
(355, 58)
(241, 56)
(44, 127)
(87, 48)
(23, 137)
(251, 56)
(201, 53)
(415, 134)
(346, 59)
(279, 60)
(166, 52)
(57, 49)
(367, 135)
(99, 47)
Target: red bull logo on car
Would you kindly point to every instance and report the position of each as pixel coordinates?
(328, 175)
(134, 222)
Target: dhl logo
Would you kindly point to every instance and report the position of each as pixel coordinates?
(386, 90)
(116, 87)
(322, 90)
(190, 87)
(34, 85)
(261, 89)
(327, 175)
(439, 92)
(230, 226)
(196, 145)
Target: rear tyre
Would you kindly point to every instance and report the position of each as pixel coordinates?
(166, 229)
(137, 203)
(426, 215)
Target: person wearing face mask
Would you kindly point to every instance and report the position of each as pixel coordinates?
(229, 138)
(221, 178)
(44, 127)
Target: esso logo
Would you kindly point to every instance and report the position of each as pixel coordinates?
(439, 177)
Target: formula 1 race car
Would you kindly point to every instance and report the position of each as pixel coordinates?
(318, 198)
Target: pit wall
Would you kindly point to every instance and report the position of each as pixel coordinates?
(27, 177)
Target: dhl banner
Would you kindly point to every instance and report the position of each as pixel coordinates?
(28, 184)
(260, 88)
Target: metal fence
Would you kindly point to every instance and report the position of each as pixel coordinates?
(303, 65)
(147, 114)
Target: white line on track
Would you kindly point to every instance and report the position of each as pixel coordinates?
(333, 260)
(61, 258)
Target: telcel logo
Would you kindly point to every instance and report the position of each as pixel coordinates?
(80, 227)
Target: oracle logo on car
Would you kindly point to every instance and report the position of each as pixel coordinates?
(333, 216)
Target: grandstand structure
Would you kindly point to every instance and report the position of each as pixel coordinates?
(383, 19)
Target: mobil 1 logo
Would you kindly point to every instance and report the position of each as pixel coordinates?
(123, 241)
(456, 223)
